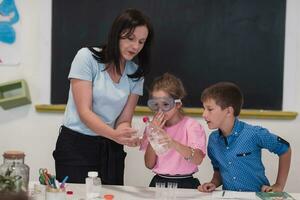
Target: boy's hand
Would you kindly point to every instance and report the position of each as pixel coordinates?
(273, 188)
(266, 188)
(207, 187)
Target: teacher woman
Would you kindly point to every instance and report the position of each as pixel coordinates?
(105, 85)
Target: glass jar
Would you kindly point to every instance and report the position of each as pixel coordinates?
(14, 174)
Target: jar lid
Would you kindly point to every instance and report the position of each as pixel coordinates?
(92, 174)
(14, 154)
(108, 196)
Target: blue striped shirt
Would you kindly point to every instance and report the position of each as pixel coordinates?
(238, 156)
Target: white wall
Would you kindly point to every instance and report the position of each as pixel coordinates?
(35, 133)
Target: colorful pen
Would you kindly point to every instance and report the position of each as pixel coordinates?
(63, 182)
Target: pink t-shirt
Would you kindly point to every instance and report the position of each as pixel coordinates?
(187, 132)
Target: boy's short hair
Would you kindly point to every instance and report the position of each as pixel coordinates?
(225, 94)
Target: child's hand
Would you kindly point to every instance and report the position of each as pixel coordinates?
(158, 119)
(207, 187)
(165, 138)
(266, 188)
(273, 188)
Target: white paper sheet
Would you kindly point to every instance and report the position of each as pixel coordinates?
(233, 195)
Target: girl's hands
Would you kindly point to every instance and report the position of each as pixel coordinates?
(158, 119)
(164, 138)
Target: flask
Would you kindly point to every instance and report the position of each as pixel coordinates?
(93, 185)
(153, 133)
(14, 172)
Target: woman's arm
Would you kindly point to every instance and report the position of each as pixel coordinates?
(82, 94)
(125, 117)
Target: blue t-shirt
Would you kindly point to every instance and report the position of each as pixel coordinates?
(109, 98)
(238, 156)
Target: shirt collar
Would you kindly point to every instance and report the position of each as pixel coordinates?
(236, 130)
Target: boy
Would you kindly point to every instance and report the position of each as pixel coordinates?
(235, 147)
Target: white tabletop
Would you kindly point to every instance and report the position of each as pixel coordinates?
(139, 193)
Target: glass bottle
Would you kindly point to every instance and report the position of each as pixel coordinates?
(14, 173)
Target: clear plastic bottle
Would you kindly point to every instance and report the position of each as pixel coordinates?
(14, 171)
(93, 185)
(154, 135)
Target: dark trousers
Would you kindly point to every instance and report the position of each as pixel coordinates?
(189, 182)
(76, 154)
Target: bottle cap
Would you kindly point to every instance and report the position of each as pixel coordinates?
(69, 192)
(108, 196)
(92, 174)
(145, 119)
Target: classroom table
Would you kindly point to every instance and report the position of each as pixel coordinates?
(139, 193)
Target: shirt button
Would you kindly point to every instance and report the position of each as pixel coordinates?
(244, 154)
(227, 147)
(229, 163)
(234, 178)
(235, 133)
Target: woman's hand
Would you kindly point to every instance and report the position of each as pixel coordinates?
(123, 135)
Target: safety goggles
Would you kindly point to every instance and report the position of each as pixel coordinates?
(164, 104)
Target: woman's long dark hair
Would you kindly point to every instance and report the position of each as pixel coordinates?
(110, 53)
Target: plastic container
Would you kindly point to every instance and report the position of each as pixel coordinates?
(38, 192)
(140, 130)
(154, 135)
(93, 185)
(55, 194)
(14, 171)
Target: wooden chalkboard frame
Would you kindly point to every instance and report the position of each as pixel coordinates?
(196, 112)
